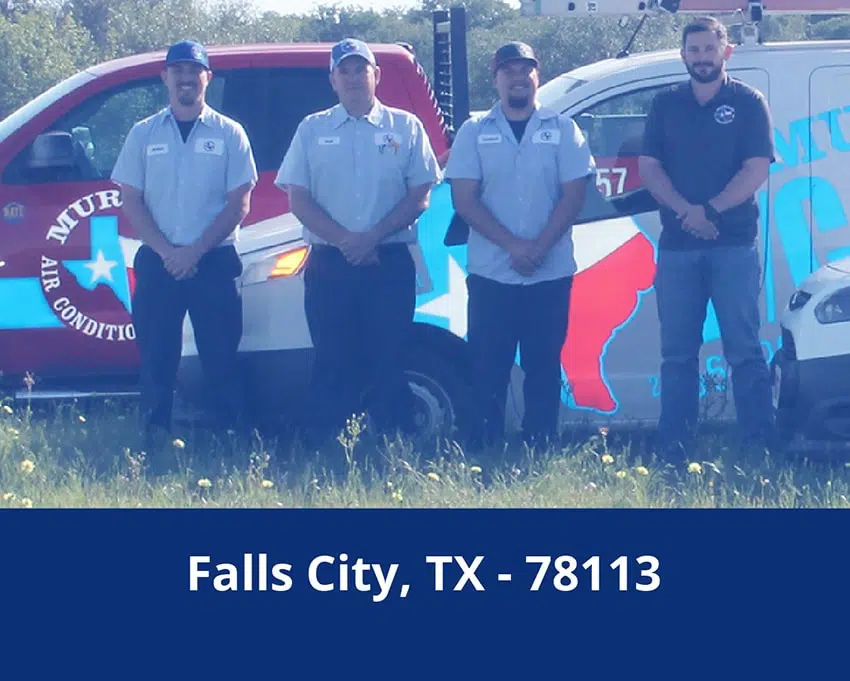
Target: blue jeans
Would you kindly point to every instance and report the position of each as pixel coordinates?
(685, 282)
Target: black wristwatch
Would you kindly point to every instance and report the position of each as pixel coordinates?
(711, 213)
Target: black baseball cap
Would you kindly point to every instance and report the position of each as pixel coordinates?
(513, 51)
(187, 51)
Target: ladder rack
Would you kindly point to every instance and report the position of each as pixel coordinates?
(755, 9)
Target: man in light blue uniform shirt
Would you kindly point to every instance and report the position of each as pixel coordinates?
(519, 175)
(186, 176)
(358, 176)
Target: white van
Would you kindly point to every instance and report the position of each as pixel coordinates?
(611, 357)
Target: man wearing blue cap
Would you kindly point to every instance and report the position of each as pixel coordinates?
(359, 176)
(186, 176)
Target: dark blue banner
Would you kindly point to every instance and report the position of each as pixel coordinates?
(447, 594)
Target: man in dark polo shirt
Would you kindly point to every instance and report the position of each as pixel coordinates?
(708, 146)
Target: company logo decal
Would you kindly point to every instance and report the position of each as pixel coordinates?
(724, 114)
(81, 277)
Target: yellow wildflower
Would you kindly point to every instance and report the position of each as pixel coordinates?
(397, 496)
(475, 469)
(81, 418)
(27, 466)
(7, 409)
(179, 443)
(607, 458)
(26, 503)
(621, 474)
(267, 484)
(434, 477)
(694, 467)
(204, 483)
(641, 470)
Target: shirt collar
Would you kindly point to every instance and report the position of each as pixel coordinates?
(497, 114)
(204, 117)
(375, 116)
(540, 113)
(721, 95)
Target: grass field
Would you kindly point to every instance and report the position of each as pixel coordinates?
(83, 456)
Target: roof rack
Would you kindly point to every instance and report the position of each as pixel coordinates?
(749, 12)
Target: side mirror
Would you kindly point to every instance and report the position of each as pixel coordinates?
(52, 151)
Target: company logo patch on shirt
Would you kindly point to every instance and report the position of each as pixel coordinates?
(724, 114)
(388, 142)
(495, 138)
(207, 145)
(328, 141)
(157, 149)
(546, 137)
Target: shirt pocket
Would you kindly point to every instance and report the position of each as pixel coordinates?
(540, 160)
(390, 153)
(330, 164)
(208, 174)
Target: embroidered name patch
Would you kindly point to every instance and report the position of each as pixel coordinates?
(157, 149)
(328, 141)
(489, 139)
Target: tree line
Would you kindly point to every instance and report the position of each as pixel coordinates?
(44, 41)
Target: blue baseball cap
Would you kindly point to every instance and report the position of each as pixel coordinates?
(187, 51)
(350, 47)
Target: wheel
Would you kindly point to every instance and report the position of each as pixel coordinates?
(441, 394)
(785, 424)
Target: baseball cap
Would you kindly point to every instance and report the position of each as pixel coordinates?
(511, 52)
(350, 47)
(187, 51)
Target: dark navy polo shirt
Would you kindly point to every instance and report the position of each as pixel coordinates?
(702, 147)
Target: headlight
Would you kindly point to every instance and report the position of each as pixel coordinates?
(834, 309)
(798, 299)
(277, 264)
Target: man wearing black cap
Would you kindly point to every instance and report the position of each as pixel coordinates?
(519, 175)
(186, 176)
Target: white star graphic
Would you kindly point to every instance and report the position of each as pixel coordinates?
(101, 268)
(452, 304)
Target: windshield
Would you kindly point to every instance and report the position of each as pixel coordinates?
(35, 106)
(556, 88)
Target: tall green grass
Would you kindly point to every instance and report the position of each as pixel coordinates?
(75, 456)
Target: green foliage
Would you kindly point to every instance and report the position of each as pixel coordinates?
(44, 41)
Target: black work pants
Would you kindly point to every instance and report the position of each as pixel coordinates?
(160, 303)
(360, 320)
(502, 317)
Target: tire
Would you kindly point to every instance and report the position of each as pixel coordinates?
(786, 426)
(441, 392)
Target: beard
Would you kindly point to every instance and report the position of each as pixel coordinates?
(518, 101)
(705, 77)
(187, 97)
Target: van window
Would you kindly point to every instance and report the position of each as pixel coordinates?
(614, 131)
(99, 126)
(271, 102)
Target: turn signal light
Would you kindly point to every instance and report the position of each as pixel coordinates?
(290, 263)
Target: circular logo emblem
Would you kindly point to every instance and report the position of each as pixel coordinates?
(14, 213)
(209, 145)
(86, 272)
(724, 114)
